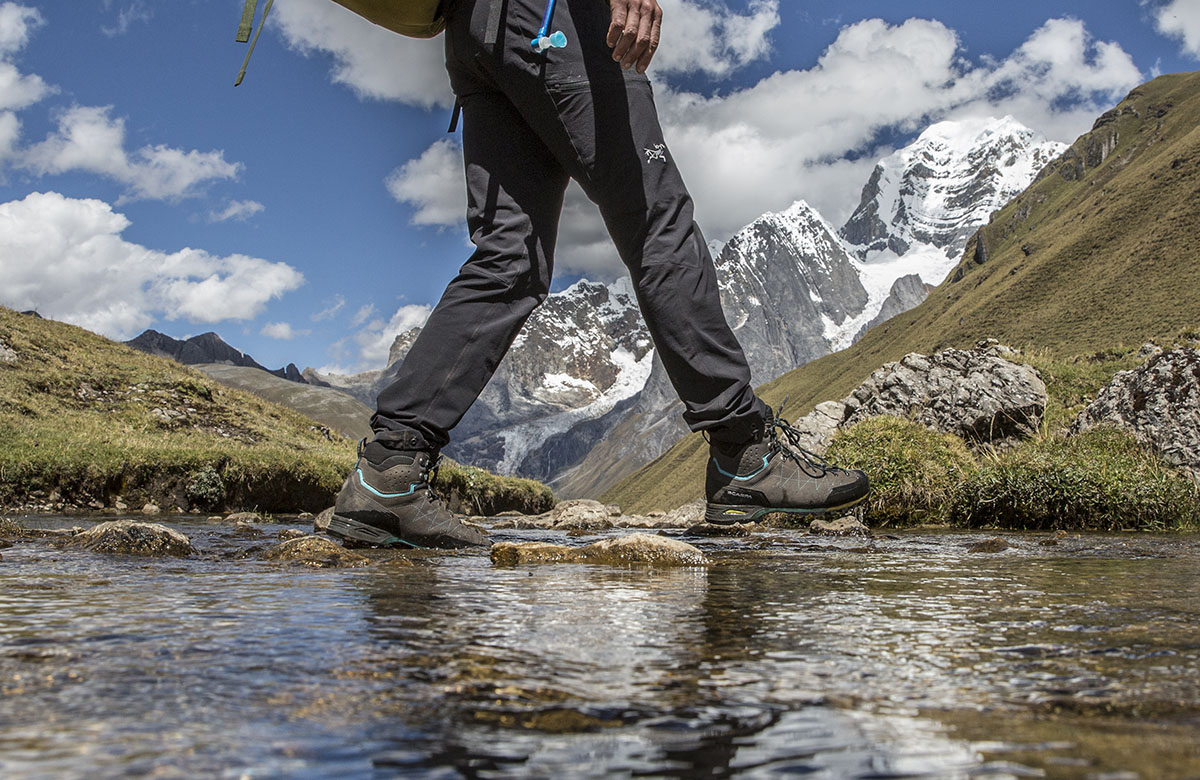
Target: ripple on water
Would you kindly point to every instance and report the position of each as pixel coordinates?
(901, 657)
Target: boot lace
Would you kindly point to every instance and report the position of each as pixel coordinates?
(787, 440)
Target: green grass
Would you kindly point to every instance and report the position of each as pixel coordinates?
(913, 470)
(1100, 480)
(1074, 266)
(92, 420)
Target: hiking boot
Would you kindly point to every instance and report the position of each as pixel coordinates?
(773, 473)
(387, 501)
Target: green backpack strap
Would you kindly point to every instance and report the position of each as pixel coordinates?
(243, 33)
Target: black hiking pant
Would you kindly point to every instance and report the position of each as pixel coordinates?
(530, 123)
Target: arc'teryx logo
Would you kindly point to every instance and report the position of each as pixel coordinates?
(656, 152)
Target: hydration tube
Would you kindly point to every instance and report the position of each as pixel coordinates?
(556, 40)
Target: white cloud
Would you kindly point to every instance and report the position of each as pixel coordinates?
(66, 258)
(814, 134)
(89, 139)
(337, 303)
(16, 24)
(375, 340)
(374, 62)
(1181, 19)
(712, 39)
(237, 210)
(135, 11)
(363, 314)
(282, 331)
(761, 148)
(433, 184)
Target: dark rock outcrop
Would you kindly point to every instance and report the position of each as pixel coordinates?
(1159, 402)
(205, 348)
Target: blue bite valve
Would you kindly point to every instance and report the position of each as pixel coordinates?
(556, 40)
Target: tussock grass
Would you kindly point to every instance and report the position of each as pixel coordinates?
(1100, 480)
(913, 471)
(85, 420)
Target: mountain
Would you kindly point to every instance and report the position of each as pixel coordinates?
(205, 348)
(581, 401)
(1100, 250)
(794, 289)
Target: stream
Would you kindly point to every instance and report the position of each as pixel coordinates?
(904, 655)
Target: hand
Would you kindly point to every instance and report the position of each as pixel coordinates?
(634, 32)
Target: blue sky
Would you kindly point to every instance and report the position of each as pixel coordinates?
(314, 211)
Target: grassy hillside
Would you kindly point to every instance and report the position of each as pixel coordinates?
(1100, 253)
(86, 422)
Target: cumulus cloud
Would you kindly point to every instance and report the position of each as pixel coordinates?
(374, 62)
(236, 210)
(89, 139)
(282, 331)
(814, 133)
(1181, 19)
(712, 39)
(17, 22)
(433, 184)
(66, 258)
(374, 341)
(758, 149)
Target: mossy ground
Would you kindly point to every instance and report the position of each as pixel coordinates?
(91, 421)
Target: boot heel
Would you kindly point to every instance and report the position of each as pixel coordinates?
(729, 514)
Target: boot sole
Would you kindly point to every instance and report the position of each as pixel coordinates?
(361, 534)
(733, 514)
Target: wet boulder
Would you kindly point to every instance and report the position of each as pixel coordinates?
(129, 537)
(314, 551)
(618, 551)
(848, 525)
(1159, 402)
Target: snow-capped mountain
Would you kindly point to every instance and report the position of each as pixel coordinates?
(581, 400)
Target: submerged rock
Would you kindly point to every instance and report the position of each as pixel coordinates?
(315, 551)
(840, 526)
(291, 533)
(619, 551)
(993, 545)
(1159, 402)
(129, 537)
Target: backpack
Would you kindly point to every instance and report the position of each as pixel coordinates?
(414, 18)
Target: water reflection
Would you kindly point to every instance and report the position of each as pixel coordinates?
(897, 658)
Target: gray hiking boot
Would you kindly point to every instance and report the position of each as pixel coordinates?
(387, 501)
(769, 474)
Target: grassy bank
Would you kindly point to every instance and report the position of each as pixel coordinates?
(86, 422)
(1100, 480)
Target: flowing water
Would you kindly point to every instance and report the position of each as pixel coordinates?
(902, 656)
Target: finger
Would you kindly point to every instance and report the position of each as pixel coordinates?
(620, 9)
(629, 35)
(641, 36)
(643, 62)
